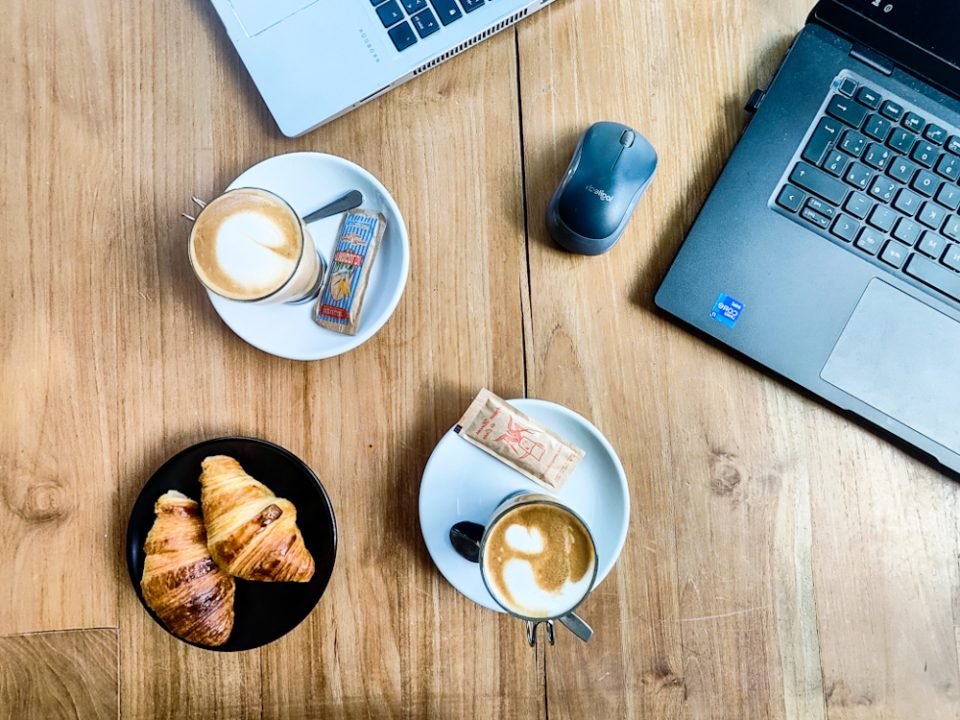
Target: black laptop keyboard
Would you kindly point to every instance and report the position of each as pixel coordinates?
(408, 20)
(879, 177)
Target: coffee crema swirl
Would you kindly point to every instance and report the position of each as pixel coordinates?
(246, 244)
(539, 560)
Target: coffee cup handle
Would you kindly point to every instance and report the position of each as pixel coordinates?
(532, 631)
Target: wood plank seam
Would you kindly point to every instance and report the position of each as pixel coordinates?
(31, 633)
(526, 301)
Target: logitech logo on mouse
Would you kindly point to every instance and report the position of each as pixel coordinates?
(599, 193)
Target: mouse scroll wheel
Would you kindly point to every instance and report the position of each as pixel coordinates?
(627, 138)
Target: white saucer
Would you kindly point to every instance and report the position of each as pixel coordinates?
(309, 180)
(461, 482)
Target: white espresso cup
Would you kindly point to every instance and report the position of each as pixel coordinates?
(537, 559)
(249, 245)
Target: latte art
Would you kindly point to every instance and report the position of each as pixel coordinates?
(254, 251)
(248, 244)
(539, 561)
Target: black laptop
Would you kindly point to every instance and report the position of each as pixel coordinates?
(829, 249)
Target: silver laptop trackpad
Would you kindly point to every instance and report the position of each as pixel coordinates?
(259, 15)
(899, 356)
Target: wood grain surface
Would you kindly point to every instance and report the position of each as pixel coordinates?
(781, 562)
(54, 675)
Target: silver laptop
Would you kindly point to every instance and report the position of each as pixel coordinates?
(314, 60)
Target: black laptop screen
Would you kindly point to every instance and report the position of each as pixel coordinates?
(921, 35)
(931, 24)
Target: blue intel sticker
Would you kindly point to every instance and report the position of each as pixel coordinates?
(727, 310)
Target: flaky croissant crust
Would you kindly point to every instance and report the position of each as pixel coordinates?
(181, 583)
(251, 533)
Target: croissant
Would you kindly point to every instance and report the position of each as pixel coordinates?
(181, 583)
(251, 533)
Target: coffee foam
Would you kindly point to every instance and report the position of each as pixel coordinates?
(539, 561)
(246, 244)
(520, 581)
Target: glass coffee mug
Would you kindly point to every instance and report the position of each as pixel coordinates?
(249, 245)
(537, 559)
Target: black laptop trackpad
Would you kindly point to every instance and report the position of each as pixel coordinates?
(900, 357)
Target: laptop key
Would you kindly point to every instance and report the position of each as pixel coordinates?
(952, 228)
(932, 215)
(907, 202)
(948, 166)
(951, 258)
(925, 153)
(790, 198)
(853, 143)
(425, 23)
(913, 122)
(935, 134)
(812, 216)
(402, 36)
(413, 6)
(907, 231)
(931, 245)
(845, 228)
(882, 189)
(858, 205)
(894, 254)
(926, 183)
(827, 131)
(949, 196)
(447, 10)
(835, 163)
(852, 113)
(821, 207)
(869, 241)
(848, 87)
(935, 275)
(377, 2)
(882, 218)
(892, 110)
(471, 5)
(859, 175)
(390, 14)
(901, 140)
(953, 144)
(819, 183)
(877, 127)
(877, 156)
(869, 97)
(901, 170)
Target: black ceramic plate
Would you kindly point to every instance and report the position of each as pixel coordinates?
(264, 611)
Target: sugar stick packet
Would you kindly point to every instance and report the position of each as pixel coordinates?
(498, 428)
(341, 297)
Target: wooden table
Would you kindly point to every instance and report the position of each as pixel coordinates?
(781, 562)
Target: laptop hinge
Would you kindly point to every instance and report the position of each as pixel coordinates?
(872, 58)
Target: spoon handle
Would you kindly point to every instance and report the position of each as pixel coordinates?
(575, 624)
(352, 199)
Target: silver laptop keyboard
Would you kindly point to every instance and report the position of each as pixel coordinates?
(408, 20)
(880, 177)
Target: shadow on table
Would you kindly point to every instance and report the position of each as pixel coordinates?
(542, 174)
(700, 182)
(233, 69)
(405, 460)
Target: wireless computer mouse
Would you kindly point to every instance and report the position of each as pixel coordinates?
(591, 207)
